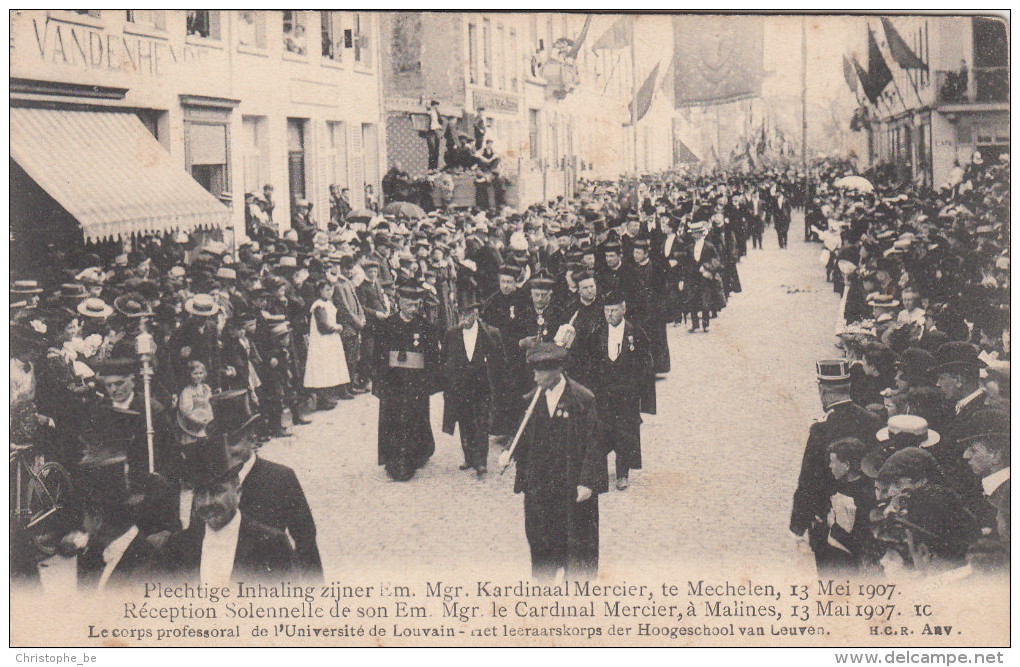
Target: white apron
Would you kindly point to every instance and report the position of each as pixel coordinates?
(326, 365)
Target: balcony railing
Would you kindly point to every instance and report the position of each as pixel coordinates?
(989, 84)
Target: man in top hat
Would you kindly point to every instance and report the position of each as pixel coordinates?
(816, 484)
(561, 469)
(224, 545)
(611, 276)
(407, 373)
(619, 366)
(987, 452)
(503, 310)
(644, 288)
(472, 361)
(270, 492)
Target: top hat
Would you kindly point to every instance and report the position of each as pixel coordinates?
(206, 463)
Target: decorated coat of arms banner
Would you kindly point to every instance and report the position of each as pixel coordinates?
(717, 59)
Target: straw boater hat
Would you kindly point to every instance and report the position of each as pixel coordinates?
(909, 425)
(24, 287)
(94, 307)
(202, 305)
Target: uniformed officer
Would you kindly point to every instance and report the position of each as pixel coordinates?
(816, 484)
(406, 373)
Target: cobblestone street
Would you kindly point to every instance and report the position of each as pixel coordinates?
(720, 458)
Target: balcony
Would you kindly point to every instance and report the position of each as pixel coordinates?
(980, 85)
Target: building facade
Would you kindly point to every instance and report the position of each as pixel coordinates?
(239, 99)
(554, 116)
(928, 121)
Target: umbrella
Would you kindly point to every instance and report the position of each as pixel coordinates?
(858, 183)
(403, 209)
(360, 215)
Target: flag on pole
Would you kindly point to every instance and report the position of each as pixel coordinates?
(643, 100)
(865, 81)
(616, 37)
(718, 59)
(849, 75)
(901, 53)
(879, 74)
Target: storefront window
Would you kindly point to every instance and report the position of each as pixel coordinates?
(295, 33)
(251, 29)
(203, 23)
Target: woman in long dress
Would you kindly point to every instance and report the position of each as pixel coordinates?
(326, 367)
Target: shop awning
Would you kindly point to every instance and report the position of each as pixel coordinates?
(109, 172)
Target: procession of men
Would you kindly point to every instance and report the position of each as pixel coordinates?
(154, 373)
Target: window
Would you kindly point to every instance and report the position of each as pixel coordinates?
(363, 39)
(487, 53)
(533, 134)
(251, 29)
(514, 60)
(203, 23)
(472, 53)
(207, 155)
(295, 33)
(256, 166)
(147, 18)
(500, 57)
(370, 148)
(336, 166)
(332, 36)
(296, 157)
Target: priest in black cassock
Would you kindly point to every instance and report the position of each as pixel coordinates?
(407, 373)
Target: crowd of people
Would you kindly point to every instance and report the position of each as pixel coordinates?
(909, 469)
(153, 375)
(197, 347)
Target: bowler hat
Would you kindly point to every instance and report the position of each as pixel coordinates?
(956, 355)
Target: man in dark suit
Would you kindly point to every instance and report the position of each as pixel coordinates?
(502, 310)
(472, 360)
(613, 274)
(224, 545)
(621, 371)
(702, 267)
(987, 452)
(561, 470)
(816, 484)
(270, 493)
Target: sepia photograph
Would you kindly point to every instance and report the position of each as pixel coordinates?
(335, 328)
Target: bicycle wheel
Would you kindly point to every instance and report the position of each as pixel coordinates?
(47, 492)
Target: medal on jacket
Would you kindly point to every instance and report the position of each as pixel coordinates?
(512, 316)
(630, 343)
(416, 342)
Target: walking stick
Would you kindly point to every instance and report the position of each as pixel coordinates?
(520, 431)
(146, 347)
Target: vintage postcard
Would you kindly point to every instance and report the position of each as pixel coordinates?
(427, 329)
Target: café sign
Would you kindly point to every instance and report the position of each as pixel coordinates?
(79, 46)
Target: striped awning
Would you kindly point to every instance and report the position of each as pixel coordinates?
(109, 172)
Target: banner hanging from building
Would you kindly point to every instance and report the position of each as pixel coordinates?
(717, 59)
